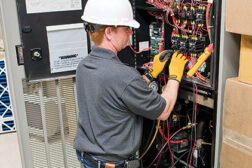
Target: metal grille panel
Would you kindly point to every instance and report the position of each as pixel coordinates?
(52, 120)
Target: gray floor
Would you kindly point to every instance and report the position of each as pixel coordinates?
(10, 155)
(9, 151)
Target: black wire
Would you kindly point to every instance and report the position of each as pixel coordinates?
(183, 162)
(150, 135)
(212, 21)
(193, 114)
(141, 163)
(180, 157)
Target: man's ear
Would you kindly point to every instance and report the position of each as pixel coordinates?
(108, 33)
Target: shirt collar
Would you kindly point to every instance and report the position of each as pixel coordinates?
(103, 53)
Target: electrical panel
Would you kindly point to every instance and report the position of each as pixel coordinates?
(187, 138)
(189, 26)
(53, 38)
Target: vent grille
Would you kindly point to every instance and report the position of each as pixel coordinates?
(52, 120)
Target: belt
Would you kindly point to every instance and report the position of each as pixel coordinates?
(102, 163)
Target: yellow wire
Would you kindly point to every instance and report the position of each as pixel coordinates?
(151, 141)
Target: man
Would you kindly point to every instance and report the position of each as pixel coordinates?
(112, 97)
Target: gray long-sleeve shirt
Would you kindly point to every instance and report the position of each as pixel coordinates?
(112, 100)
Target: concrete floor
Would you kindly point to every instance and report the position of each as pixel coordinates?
(9, 151)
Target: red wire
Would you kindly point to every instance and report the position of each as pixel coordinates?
(207, 18)
(160, 48)
(196, 92)
(202, 77)
(179, 141)
(168, 132)
(176, 133)
(166, 17)
(208, 84)
(137, 52)
(147, 65)
(162, 133)
(164, 146)
(156, 14)
(164, 80)
(161, 153)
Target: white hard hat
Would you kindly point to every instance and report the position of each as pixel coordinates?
(109, 12)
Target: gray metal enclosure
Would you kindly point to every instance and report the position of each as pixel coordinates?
(46, 111)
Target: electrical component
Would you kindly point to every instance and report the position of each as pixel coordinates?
(183, 14)
(175, 42)
(196, 44)
(191, 13)
(180, 143)
(200, 15)
(156, 31)
(154, 86)
(183, 45)
(207, 52)
(176, 11)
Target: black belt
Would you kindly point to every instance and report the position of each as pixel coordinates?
(103, 164)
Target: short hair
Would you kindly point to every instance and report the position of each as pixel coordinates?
(97, 36)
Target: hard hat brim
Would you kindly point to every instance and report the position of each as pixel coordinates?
(135, 24)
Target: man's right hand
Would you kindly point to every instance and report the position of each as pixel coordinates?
(177, 65)
(159, 62)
